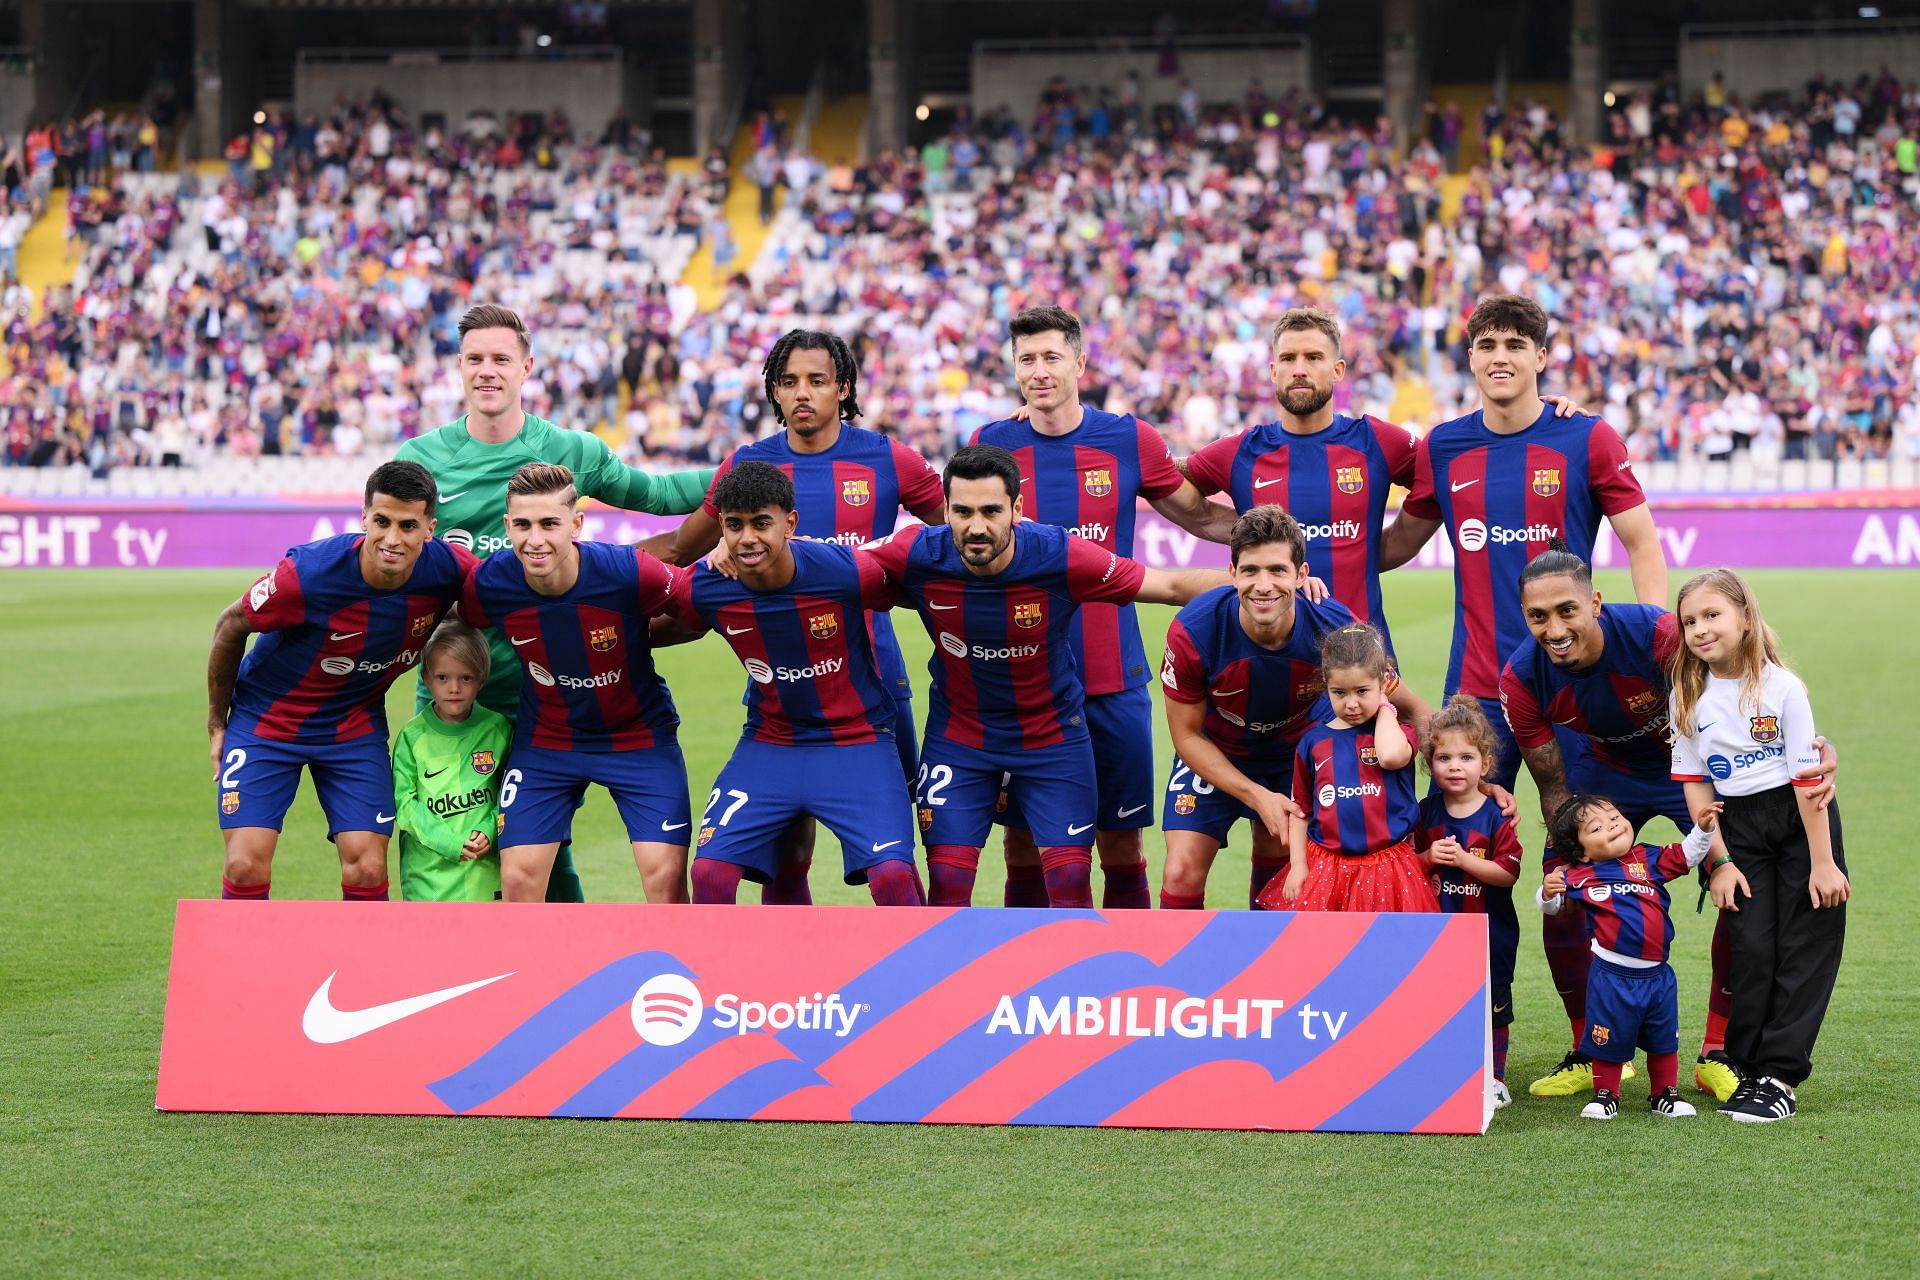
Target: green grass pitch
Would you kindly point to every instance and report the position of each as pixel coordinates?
(106, 819)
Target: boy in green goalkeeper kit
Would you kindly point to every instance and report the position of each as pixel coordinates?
(447, 766)
(472, 457)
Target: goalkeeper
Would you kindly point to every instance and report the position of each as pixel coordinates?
(447, 766)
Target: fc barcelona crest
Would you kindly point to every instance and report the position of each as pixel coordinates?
(1546, 481)
(1368, 756)
(1600, 1034)
(1350, 479)
(1184, 804)
(926, 818)
(1643, 703)
(421, 623)
(1765, 728)
(856, 493)
(1099, 482)
(1028, 615)
(483, 762)
(229, 802)
(823, 626)
(603, 638)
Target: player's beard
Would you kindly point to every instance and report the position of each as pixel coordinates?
(1304, 402)
(985, 553)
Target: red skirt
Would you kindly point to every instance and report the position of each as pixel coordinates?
(1390, 880)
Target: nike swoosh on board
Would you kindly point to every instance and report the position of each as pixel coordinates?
(325, 1024)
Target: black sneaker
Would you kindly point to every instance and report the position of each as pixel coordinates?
(1671, 1105)
(1760, 1101)
(1605, 1106)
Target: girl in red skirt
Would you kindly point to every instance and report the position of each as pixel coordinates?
(1353, 778)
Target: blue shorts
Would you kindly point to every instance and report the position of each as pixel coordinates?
(1194, 804)
(540, 792)
(1631, 1008)
(850, 788)
(258, 777)
(1120, 726)
(959, 789)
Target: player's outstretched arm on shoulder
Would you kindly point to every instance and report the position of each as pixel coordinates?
(666, 493)
(230, 633)
(698, 534)
(1178, 586)
(1646, 559)
(1565, 406)
(1401, 541)
(666, 630)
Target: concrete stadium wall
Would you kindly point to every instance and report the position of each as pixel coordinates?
(590, 91)
(1005, 78)
(1757, 62)
(16, 100)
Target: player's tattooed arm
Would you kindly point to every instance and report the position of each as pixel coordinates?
(1401, 541)
(223, 668)
(1549, 777)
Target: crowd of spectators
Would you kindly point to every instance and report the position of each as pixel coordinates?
(1724, 275)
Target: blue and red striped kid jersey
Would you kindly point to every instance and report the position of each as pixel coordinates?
(1485, 833)
(590, 683)
(809, 659)
(1334, 482)
(330, 644)
(1089, 482)
(1352, 804)
(1619, 704)
(1004, 674)
(852, 493)
(1626, 899)
(1259, 700)
(1502, 497)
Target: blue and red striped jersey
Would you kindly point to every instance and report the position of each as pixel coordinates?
(809, 658)
(1004, 675)
(1485, 833)
(1352, 804)
(1502, 497)
(1619, 704)
(1626, 899)
(590, 683)
(852, 493)
(1089, 481)
(1258, 699)
(1333, 481)
(330, 644)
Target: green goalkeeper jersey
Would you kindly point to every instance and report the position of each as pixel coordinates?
(446, 785)
(472, 479)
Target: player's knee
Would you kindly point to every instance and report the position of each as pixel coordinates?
(521, 882)
(663, 871)
(249, 859)
(1121, 849)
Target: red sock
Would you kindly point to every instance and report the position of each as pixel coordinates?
(1125, 887)
(1500, 1052)
(1264, 869)
(716, 883)
(951, 869)
(244, 892)
(1026, 887)
(1663, 1072)
(1606, 1075)
(1069, 873)
(896, 884)
(1171, 901)
(1719, 989)
(789, 887)
(363, 892)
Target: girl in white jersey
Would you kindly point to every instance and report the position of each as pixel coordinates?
(1742, 728)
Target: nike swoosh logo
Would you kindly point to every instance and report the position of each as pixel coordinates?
(437, 772)
(1262, 484)
(449, 497)
(1225, 693)
(335, 635)
(1085, 826)
(942, 607)
(325, 1024)
(882, 848)
(1465, 484)
(672, 826)
(518, 642)
(1500, 1008)
(1702, 728)
(738, 631)
(383, 817)
(1128, 813)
